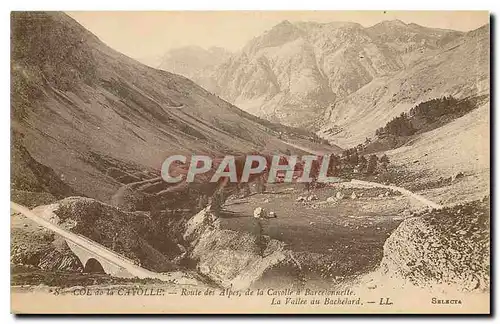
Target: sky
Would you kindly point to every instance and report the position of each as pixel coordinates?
(142, 34)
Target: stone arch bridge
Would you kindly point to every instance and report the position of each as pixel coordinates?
(92, 254)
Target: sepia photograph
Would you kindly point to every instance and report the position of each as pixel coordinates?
(250, 162)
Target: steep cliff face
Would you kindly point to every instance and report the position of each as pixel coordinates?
(294, 71)
(450, 246)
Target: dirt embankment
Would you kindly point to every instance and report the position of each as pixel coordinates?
(449, 246)
(132, 234)
(237, 259)
(129, 233)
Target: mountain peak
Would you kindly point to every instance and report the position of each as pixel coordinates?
(393, 23)
(283, 27)
(281, 33)
(284, 23)
(396, 22)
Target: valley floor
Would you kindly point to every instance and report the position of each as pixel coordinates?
(345, 236)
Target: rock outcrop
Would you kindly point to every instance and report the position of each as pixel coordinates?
(450, 246)
(43, 251)
(236, 259)
(260, 212)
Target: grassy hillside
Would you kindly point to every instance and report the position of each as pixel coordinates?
(83, 108)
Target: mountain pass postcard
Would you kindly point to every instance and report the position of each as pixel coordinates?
(250, 162)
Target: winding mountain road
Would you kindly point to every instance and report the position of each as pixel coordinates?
(403, 191)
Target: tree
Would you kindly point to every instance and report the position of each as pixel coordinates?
(218, 199)
(384, 161)
(201, 202)
(372, 164)
(354, 159)
(244, 189)
(363, 162)
(400, 126)
(344, 160)
(261, 184)
(333, 165)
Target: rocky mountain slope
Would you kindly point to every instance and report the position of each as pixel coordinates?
(294, 71)
(100, 119)
(449, 246)
(87, 119)
(33, 183)
(195, 63)
(461, 147)
(460, 69)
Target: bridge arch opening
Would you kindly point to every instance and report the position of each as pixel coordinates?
(93, 266)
